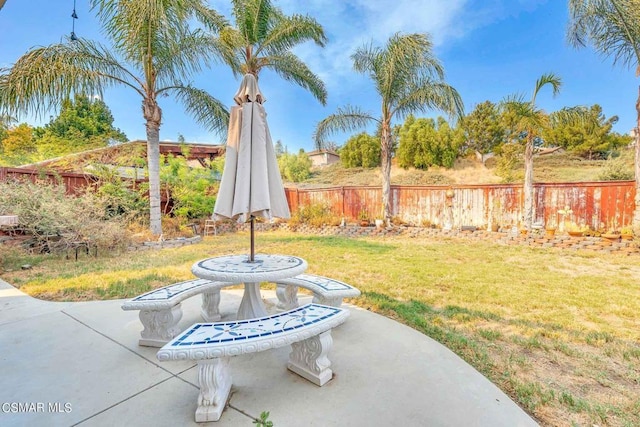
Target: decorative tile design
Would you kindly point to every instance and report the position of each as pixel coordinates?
(323, 282)
(214, 340)
(236, 268)
(222, 332)
(171, 291)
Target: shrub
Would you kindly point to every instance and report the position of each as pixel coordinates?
(45, 211)
(295, 168)
(615, 169)
(315, 214)
(361, 150)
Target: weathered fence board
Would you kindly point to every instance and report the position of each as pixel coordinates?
(597, 204)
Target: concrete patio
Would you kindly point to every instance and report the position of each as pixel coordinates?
(80, 364)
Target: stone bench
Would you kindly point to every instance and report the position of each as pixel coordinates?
(307, 329)
(325, 290)
(161, 309)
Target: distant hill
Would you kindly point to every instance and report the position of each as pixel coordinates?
(556, 167)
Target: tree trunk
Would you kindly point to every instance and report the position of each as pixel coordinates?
(636, 212)
(528, 183)
(386, 171)
(153, 115)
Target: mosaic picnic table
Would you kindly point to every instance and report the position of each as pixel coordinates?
(238, 269)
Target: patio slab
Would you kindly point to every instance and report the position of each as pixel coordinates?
(86, 355)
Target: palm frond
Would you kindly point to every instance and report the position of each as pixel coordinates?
(212, 20)
(345, 119)
(42, 78)
(292, 69)
(430, 95)
(547, 79)
(611, 26)
(290, 31)
(204, 108)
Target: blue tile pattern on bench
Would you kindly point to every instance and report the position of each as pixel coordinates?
(171, 291)
(223, 332)
(324, 282)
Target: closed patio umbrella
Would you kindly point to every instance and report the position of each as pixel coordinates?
(251, 185)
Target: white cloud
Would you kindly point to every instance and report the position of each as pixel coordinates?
(350, 24)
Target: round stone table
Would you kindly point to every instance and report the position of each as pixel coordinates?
(237, 269)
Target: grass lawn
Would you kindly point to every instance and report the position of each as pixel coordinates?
(558, 331)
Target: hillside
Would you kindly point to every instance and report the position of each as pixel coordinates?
(551, 168)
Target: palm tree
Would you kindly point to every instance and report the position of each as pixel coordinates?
(263, 38)
(153, 50)
(408, 78)
(613, 28)
(530, 121)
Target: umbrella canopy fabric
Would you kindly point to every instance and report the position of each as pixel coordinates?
(251, 183)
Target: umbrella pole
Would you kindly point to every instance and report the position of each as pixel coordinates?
(253, 252)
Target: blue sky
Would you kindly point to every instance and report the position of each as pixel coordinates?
(489, 48)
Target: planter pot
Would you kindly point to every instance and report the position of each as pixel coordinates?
(611, 237)
(575, 233)
(364, 223)
(495, 227)
(550, 232)
(626, 236)
(379, 223)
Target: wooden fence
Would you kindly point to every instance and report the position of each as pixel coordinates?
(74, 183)
(597, 204)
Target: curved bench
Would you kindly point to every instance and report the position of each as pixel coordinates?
(325, 290)
(307, 329)
(161, 309)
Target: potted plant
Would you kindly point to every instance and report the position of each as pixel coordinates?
(550, 228)
(363, 216)
(611, 234)
(379, 220)
(626, 233)
(575, 230)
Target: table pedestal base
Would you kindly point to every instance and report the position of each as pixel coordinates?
(251, 305)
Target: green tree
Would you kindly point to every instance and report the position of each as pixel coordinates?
(263, 38)
(295, 167)
(584, 131)
(529, 121)
(279, 148)
(483, 128)
(18, 144)
(81, 125)
(428, 142)
(192, 190)
(408, 78)
(612, 27)
(362, 150)
(154, 49)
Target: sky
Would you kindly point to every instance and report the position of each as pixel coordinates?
(490, 49)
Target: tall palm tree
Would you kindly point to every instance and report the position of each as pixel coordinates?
(153, 50)
(408, 78)
(612, 27)
(530, 122)
(263, 38)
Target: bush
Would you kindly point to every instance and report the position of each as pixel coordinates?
(47, 213)
(616, 169)
(362, 150)
(295, 168)
(315, 215)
